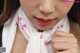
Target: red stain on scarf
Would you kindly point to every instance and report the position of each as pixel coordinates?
(24, 26)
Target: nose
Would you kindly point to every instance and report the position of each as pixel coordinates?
(46, 7)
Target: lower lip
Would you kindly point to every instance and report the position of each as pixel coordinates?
(44, 22)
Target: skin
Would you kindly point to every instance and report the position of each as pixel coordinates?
(64, 43)
(51, 9)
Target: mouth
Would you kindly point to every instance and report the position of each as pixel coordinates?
(43, 21)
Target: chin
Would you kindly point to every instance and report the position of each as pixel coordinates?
(42, 28)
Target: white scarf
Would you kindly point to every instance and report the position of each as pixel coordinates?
(37, 41)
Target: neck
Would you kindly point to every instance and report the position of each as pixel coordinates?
(40, 30)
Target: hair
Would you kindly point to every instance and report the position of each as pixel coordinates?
(9, 7)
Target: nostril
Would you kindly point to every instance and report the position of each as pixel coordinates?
(46, 13)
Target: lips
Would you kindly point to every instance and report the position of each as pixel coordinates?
(44, 21)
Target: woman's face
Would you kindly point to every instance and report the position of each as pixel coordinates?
(44, 14)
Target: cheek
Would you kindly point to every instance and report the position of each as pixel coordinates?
(28, 4)
(64, 8)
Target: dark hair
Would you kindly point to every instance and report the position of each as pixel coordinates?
(9, 7)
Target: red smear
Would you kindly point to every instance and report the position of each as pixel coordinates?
(24, 26)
